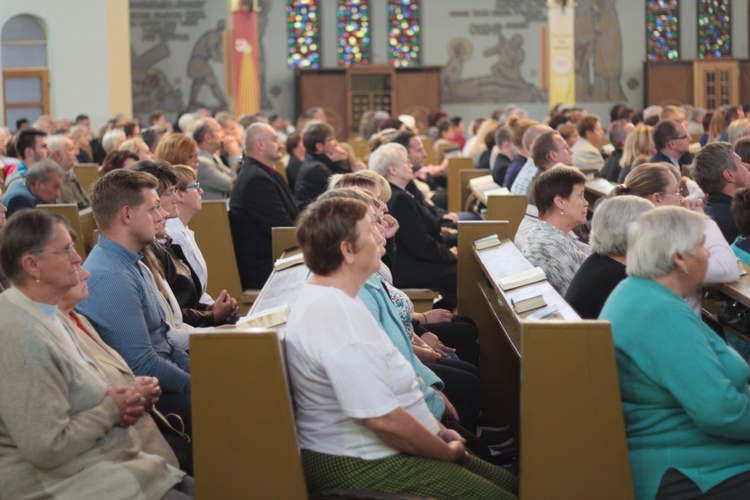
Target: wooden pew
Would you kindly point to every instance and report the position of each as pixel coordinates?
(555, 380)
(244, 440)
(285, 238)
(455, 188)
(88, 174)
(282, 240)
(214, 237)
(82, 223)
(429, 149)
(511, 208)
(464, 176)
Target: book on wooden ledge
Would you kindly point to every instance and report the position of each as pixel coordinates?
(533, 299)
(266, 319)
(484, 180)
(292, 260)
(523, 278)
(487, 242)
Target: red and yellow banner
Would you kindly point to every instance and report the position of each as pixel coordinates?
(246, 81)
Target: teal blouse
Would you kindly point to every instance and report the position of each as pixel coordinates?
(684, 391)
(381, 307)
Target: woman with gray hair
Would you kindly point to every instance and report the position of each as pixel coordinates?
(66, 427)
(604, 269)
(423, 259)
(684, 391)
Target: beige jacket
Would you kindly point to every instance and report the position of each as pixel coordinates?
(59, 436)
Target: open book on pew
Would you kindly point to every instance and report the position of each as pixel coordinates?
(269, 318)
(485, 186)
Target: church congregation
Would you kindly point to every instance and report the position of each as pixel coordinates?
(404, 342)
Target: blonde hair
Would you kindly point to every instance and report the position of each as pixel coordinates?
(639, 142)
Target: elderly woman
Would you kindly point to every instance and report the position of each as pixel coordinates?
(558, 194)
(66, 428)
(178, 149)
(684, 391)
(423, 260)
(361, 420)
(604, 269)
(658, 184)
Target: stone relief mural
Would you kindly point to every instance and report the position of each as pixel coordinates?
(177, 55)
(598, 51)
(507, 68)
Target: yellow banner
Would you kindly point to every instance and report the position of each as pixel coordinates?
(561, 40)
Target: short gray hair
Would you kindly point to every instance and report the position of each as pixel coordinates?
(612, 217)
(110, 139)
(657, 235)
(56, 142)
(41, 171)
(384, 157)
(709, 164)
(738, 129)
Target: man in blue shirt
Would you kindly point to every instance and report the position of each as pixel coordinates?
(123, 300)
(31, 147)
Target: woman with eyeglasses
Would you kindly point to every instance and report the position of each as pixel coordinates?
(66, 426)
(656, 183)
(182, 235)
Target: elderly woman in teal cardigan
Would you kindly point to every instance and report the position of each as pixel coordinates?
(684, 391)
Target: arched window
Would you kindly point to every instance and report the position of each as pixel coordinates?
(25, 73)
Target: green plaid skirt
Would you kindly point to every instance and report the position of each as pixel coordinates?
(406, 474)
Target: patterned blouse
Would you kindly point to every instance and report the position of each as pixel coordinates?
(556, 253)
(403, 303)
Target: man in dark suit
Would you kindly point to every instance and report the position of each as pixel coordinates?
(260, 200)
(671, 141)
(719, 172)
(323, 159)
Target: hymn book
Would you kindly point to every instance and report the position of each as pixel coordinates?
(292, 260)
(522, 278)
(266, 319)
(487, 242)
(532, 299)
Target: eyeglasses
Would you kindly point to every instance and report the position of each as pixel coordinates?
(67, 250)
(681, 137)
(195, 185)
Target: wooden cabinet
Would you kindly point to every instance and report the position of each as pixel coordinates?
(345, 94)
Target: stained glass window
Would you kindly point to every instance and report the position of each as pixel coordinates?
(403, 33)
(714, 28)
(353, 22)
(662, 30)
(303, 34)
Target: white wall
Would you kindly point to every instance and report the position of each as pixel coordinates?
(77, 48)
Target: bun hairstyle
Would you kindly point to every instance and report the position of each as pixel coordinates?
(518, 127)
(645, 180)
(621, 190)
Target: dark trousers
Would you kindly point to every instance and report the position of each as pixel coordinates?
(460, 334)
(462, 388)
(178, 404)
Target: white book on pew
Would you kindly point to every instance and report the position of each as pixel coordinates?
(487, 242)
(266, 319)
(531, 299)
(499, 191)
(292, 260)
(523, 278)
(600, 186)
(478, 182)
